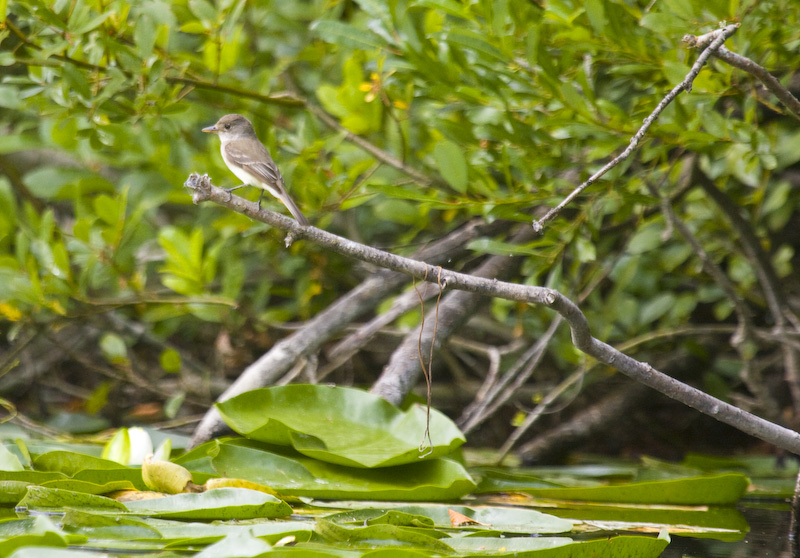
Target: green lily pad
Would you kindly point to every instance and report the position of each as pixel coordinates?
(33, 477)
(220, 503)
(437, 479)
(422, 538)
(339, 425)
(89, 487)
(70, 463)
(12, 492)
(107, 526)
(720, 489)
(724, 523)
(44, 497)
(506, 520)
(35, 531)
(51, 552)
(559, 547)
(181, 533)
(241, 545)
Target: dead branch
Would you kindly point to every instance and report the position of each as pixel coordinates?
(203, 190)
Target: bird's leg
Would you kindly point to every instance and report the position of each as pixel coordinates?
(259, 200)
(229, 190)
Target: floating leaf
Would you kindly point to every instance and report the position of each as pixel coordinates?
(438, 479)
(725, 488)
(424, 538)
(220, 503)
(338, 425)
(507, 520)
(558, 547)
(44, 497)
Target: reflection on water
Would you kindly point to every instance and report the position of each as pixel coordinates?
(768, 538)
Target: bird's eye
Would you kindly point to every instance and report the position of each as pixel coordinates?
(227, 126)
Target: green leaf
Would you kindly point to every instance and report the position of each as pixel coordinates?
(475, 42)
(559, 547)
(506, 520)
(240, 545)
(420, 538)
(205, 533)
(114, 348)
(196, 27)
(452, 164)
(87, 487)
(447, 6)
(38, 531)
(719, 489)
(203, 10)
(35, 551)
(656, 307)
(12, 491)
(664, 24)
(9, 97)
(339, 425)
(647, 238)
(89, 24)
(144, 35)
(430, 480)
(9, 461)
(170, 360)
(71, 463)
(595, 11)
(219, 503)
(346, 35)
(39, 497)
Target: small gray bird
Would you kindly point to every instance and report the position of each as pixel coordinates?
(250, 161)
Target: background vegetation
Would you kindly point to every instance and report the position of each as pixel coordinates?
(395, 123)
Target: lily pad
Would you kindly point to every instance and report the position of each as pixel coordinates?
(437, 479)
(220, 503)
(558, 547)
(182, 533)
(507, 520)
(422, 538)
(44, 497)
(720, 489)
(339, 425)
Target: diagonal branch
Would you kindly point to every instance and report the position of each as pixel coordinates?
(720, 36)
(760, 72)
(306, 341)
(203, 190)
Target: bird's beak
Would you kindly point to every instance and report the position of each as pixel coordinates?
(211, 130)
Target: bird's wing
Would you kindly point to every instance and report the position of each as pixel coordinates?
(261, 166)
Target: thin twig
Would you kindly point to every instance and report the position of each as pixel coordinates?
(496, 395)
(721, 35)
(738, 61)
(534, 415)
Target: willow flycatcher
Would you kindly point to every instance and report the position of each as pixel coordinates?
(250, 161)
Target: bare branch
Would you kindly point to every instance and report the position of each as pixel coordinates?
(685, 85)
(760, 72)
(579, 326)
(307, 340)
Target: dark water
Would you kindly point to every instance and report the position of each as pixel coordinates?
(768, 537)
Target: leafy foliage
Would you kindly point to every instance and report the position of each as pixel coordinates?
(491, 108)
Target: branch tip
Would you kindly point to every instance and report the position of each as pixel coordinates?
(200, 186)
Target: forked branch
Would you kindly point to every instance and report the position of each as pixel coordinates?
(203, 190)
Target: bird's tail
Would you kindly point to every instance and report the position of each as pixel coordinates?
(293, 209)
